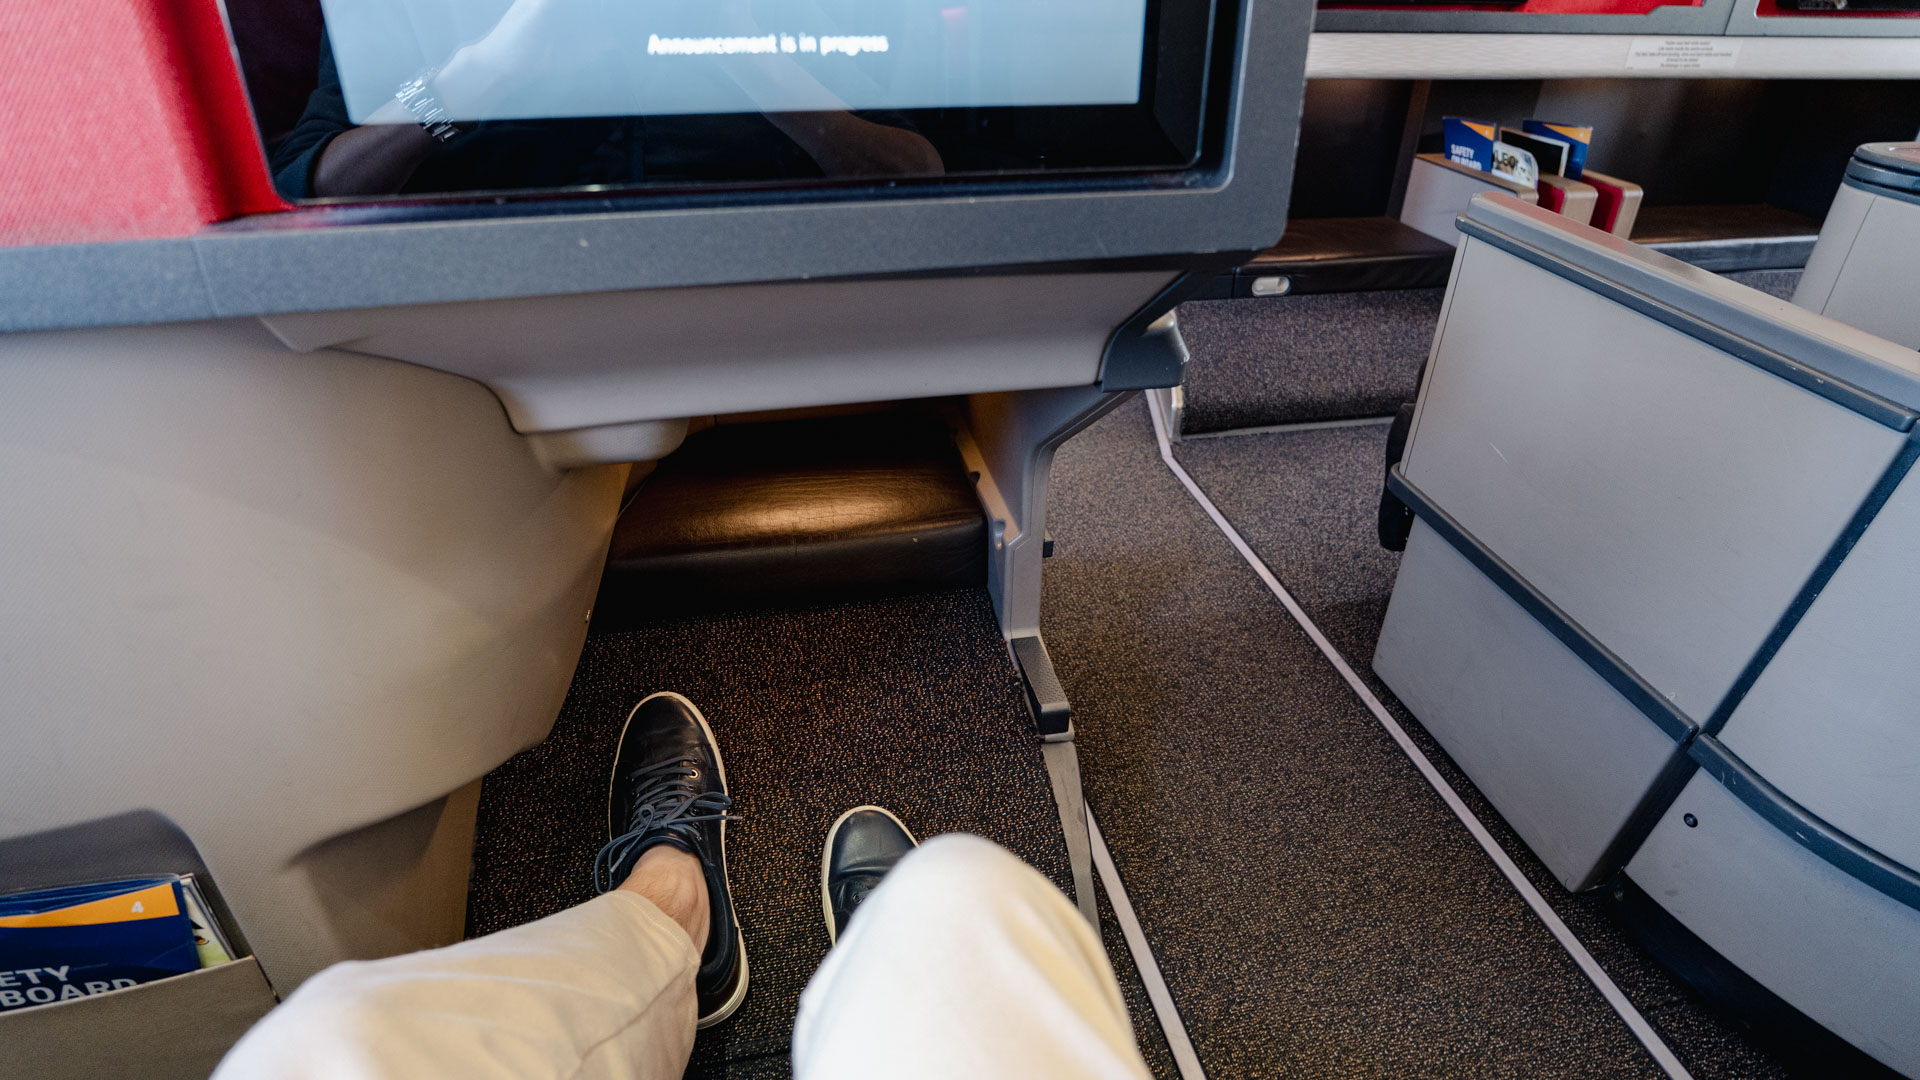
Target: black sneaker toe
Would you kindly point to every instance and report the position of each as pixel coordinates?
(862, 846)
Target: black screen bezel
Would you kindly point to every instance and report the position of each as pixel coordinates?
(1171, 130)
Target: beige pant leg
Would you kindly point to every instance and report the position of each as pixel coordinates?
(966, 962)
(600, 990)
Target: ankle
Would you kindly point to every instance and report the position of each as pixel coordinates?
(674, 881)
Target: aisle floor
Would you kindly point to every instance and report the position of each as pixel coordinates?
(1306, 502)
(1317, 909)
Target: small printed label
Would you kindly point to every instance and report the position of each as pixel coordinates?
(1683, 54)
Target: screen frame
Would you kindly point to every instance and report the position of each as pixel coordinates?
(1186, 46)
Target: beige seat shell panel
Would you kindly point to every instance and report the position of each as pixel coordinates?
(280, 599)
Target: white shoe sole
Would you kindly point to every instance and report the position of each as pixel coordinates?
(732, 1004)
(826, 856)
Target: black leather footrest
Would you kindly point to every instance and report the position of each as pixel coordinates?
(793, 512)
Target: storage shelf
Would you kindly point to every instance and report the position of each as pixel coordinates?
(1572, 56)
(1725, 238)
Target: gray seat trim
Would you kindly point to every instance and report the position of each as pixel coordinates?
(1776, 338)
(322, 258)
(1880, 182)
(1898, 157)
(1839, 850)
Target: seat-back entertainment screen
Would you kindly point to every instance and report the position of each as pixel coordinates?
(370, 98)
(529, 59)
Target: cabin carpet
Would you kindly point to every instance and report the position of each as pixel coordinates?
(1298, 359)
(1306, 502)
(1779, 284)
(911, 703)
(1316, 908)
(1317, 911)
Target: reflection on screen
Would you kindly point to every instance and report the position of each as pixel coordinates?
(526, 59)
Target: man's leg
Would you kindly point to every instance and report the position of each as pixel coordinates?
(612, 988)
(965, 963)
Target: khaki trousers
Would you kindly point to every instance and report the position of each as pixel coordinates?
(965, 963)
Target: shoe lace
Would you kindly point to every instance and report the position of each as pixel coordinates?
(853, 892)
(666, 802)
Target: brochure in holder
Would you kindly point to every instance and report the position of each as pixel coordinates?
(1469, 142)
(123, 954)
(1576, 137)
(1477, 145)
(68, 943)
(1552, 154)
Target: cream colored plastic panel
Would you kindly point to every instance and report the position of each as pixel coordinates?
(1438, 190)
(289, 601)
(1877, 285)
(576, 361)
(1837, 234)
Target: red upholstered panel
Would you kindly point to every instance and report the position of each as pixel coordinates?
(123, 119)
(1606, 209)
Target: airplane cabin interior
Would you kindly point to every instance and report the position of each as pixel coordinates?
(1403, 512)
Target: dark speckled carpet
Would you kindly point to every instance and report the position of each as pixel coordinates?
(1292, 359)
(1317, 910)
(1305, 501)
(911, 703)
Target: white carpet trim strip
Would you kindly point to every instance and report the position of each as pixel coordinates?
(1184, 1058)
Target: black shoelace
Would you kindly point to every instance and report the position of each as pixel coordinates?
(853, 892)
(666, 801)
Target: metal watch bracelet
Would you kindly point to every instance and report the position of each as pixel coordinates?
(426, 110)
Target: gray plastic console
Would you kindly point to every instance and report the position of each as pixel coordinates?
(1664, 546)
(1863, 268)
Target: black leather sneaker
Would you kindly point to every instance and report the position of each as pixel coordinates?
(669, 786)
(861, 847)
